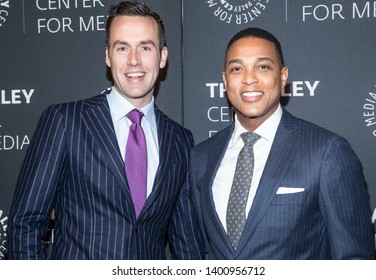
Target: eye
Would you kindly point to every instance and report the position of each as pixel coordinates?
(265, 67)
(121, 49)
(145, 48)
(235, 69)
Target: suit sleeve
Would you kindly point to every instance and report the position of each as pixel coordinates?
(184, 235)
(34, 195)
(185, 239)
(344, 203)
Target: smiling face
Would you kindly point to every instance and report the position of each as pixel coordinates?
(254, 80)
(134, 57)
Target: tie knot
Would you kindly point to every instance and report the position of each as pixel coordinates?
(250, 138)
(135, 116)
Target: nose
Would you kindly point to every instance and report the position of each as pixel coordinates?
(134, 58)
(250, 77)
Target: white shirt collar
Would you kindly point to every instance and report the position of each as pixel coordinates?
(121, 106)
(266, 130)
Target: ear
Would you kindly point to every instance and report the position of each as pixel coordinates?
(224, 79)
(164, 54)
(284, 76)
(108, 62)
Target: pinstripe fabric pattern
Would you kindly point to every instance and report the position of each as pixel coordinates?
(331, 219)
(74, 166)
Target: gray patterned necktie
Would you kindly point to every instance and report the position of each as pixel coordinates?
(235, 216)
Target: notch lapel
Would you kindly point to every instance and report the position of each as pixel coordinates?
(166, 140)
(282, 153)
(213, 163)
(97, 118)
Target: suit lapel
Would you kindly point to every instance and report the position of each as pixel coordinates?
(97, 118)
(214, 161)
(281, 154)
(166, 140)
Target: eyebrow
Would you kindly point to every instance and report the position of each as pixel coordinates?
(147, 42)
(259, 59)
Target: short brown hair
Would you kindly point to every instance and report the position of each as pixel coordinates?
(134, 8)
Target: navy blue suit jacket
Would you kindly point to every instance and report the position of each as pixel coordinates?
(73, 165)
(330, 219)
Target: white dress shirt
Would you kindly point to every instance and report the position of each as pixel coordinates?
(119, 108)
(223, 180)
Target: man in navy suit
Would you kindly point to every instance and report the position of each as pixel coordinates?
(76, 163)
(307, 198)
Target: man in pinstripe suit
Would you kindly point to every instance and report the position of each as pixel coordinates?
(307, 198)
(75, 163)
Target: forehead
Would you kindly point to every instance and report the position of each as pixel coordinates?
(132, 27)
(251, 47)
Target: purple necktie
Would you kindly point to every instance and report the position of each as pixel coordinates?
(136, 161)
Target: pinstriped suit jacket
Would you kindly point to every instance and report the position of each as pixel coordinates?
(330, 219)
(74, 165)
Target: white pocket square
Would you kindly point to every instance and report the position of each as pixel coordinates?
(285, 190)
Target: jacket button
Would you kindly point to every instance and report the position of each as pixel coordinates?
(138, 226)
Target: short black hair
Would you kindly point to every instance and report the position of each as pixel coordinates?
(258, 33)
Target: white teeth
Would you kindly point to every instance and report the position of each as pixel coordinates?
(253, 93)
(135, 75)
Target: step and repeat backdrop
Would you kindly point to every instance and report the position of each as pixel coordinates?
(329, 47)
(53, 51)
